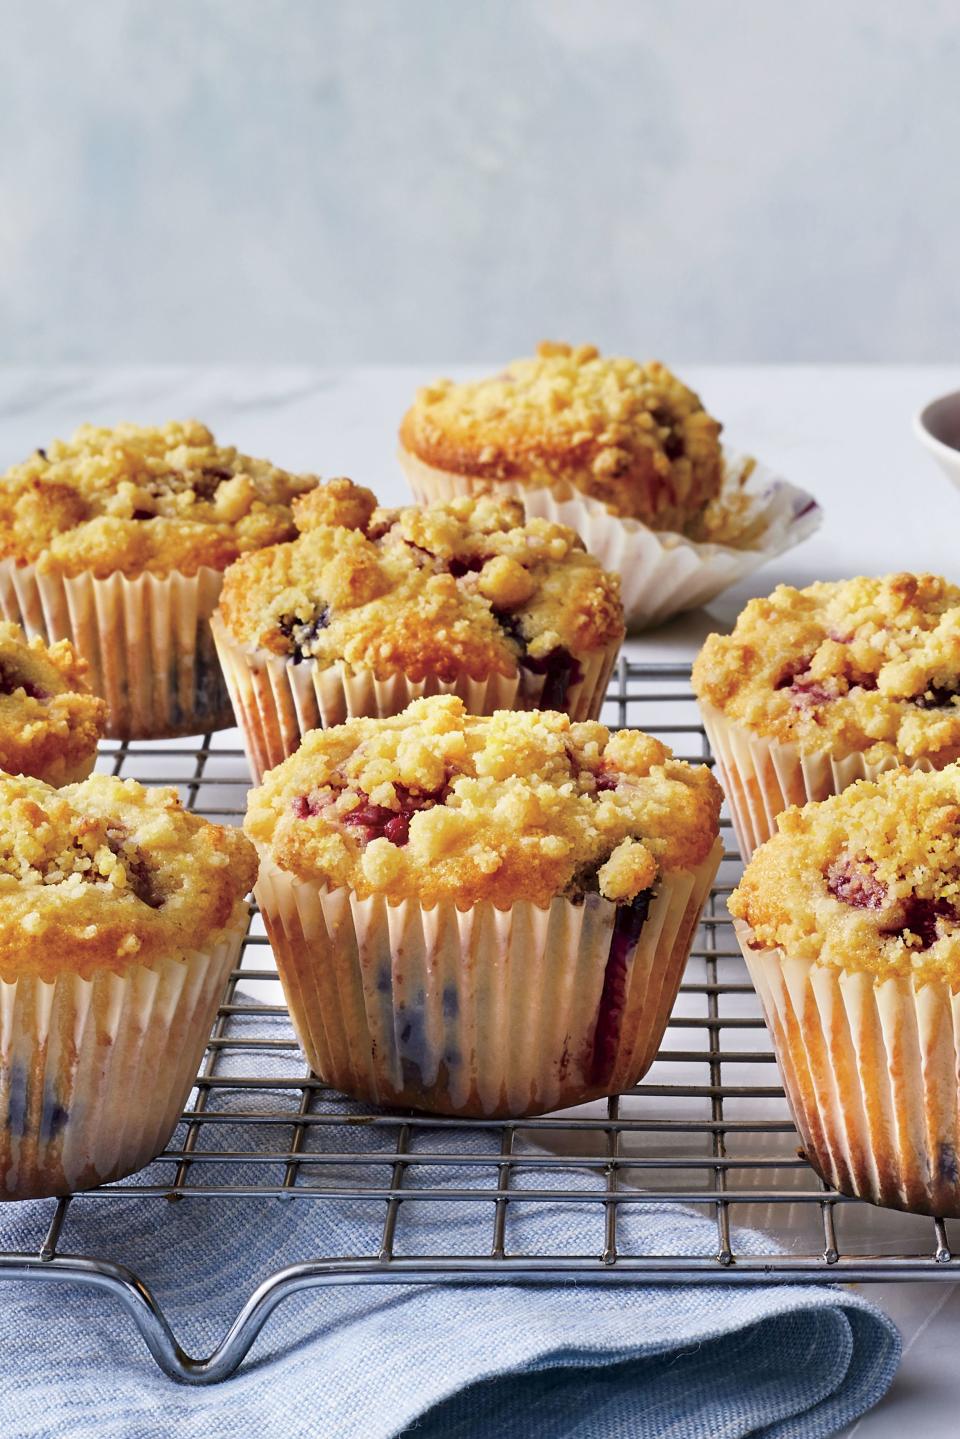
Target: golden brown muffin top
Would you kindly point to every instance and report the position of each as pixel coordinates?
(867, 880)
(629, 434)
(49, 720)
(435, 804)
(105, 874)
(462, 587)
(139, 498)
(868, 665)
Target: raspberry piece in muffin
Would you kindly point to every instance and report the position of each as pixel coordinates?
(506, 807)
(50, 723)
(629, 434)
(139, 498)
(870, 666)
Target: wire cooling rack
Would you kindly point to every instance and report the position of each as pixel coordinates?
(708, 1128)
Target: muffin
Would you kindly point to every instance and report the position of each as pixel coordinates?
(50, 723)
(623, 452)
(370, 608)
(122, 917)
(482, 915)
(819, 687)
(849, 920)
(117, 540)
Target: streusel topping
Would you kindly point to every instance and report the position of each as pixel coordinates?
(463, 587)
(867, 665)
(435, 803)
(630, 434)
(105, 874)
(141, 498)
(50, 723)
(867, 880)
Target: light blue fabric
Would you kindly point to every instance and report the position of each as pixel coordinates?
(365, 1362)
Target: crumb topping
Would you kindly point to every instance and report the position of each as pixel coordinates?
(436, 803)
(462, 587)
(867, 880)
(867, 665)
(140, 498)
(50, 723)
(630, 434)
(105, 873)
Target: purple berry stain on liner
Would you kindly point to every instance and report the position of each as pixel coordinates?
(627, 928)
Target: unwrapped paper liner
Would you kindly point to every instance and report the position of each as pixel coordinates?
(479, 1012)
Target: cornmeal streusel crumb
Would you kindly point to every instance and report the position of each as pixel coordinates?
(106, 873)
(630, 434)
(868, 665)
(463, 587)
(438, 804)
(140, 498)
(867, 880)
(50, 723)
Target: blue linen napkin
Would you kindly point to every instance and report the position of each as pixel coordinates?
(368, 1361)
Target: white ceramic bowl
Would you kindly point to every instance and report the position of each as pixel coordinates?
(937, 427)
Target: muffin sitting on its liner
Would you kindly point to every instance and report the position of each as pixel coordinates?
(116, 540)
(50, 723)
(819, 687)
(371, 608)
(482, 916)
(624, 453)
(849, 921)
(122, 918)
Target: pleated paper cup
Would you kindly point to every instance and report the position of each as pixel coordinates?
(661, 573)
(94, 1073)
(276, 701)
(147, 642)
(762, 777)
(479, 1012)
(870, 1068)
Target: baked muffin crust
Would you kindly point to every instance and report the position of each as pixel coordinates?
(465, 587)
(869, 665)
(629, 434)
(868, 880)
(104, 874)
(141, 498)
(50, 723)
(435, 803)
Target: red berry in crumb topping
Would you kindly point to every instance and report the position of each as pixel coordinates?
(375, 821)
(854, 882)
(462, 565)
(606, 780)
(397, 830)
(791, 671)
(304, 807)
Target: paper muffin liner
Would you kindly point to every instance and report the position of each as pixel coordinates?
(147, 642)
(661, 573)
(479, 1012)
(277, 701)
(763, 777)
(870, 1069)
(94, 1073)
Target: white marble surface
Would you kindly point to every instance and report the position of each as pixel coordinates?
(842, 432)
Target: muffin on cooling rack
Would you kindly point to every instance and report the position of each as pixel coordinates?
(116, 540)
(370, 608)
(623, 452)
(50, 723)
(819, 687)
(482, 915)
(849, 920)
(122, 917)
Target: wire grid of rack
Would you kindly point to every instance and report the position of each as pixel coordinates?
(708, 1129)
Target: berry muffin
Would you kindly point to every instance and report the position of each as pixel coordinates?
(819, 687)
(849, 920)
(482, 915)
(122, 918)
(116, 540)
(370, 608)
(623, 452)
(50, 723)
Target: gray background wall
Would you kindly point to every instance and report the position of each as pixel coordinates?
(320, 180)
